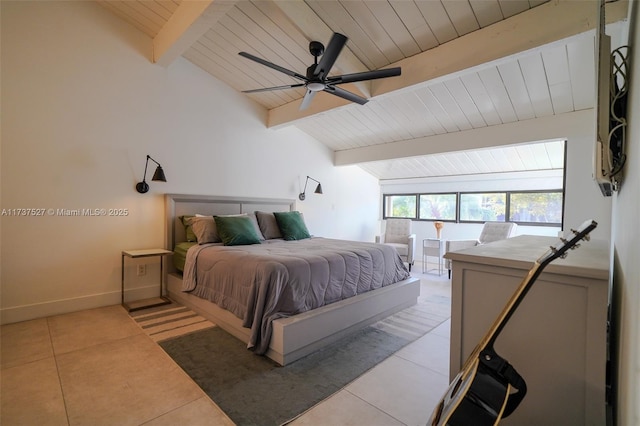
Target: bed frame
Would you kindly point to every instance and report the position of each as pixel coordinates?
(296, 336)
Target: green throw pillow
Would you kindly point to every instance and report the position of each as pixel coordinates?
(186, 222)
(236, 230)
(292, 225)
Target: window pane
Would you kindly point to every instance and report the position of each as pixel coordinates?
(400, 206)
(438, 206)
(483, 207)
(536, 207)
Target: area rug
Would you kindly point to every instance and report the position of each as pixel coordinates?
(253, 390)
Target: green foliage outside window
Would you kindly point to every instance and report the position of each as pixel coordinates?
(400, 206)
(536, 207)
(543, 207)
(438, 206)
(483, 207)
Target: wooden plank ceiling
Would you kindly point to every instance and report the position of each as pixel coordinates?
(467, 64)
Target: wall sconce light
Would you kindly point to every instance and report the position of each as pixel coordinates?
(158, 176)
(318, 190)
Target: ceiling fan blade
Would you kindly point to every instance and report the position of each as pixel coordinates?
(267, 89)
(330, 55)
(362, 76)
(273, 66)
(308, 97)
(346, 95)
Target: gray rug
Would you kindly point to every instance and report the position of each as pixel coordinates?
(253, 390)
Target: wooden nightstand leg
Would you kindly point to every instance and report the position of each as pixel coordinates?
(161, 275)
(122, 282)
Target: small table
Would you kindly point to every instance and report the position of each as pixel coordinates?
(146, 303)
(432, 247)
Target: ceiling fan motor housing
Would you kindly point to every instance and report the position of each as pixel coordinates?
(316, 48)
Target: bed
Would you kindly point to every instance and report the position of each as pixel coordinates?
(283, 326)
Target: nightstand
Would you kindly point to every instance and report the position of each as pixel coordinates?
(145, 303)
(435, 248)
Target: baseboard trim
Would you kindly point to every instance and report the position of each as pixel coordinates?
(64, 306)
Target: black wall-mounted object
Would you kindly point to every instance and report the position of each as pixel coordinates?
(318, 190)
(158, 176)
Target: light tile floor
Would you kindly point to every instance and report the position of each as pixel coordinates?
(403, 389)
(96, 367)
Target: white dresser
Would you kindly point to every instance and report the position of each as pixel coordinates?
(557, 338)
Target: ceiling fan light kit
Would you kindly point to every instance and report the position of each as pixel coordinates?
(317, 76)
(316, 86)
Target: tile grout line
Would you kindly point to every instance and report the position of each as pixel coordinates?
(416, 365)
(375, 407)
(55, 360)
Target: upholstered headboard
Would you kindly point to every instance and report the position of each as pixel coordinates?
(177, 205)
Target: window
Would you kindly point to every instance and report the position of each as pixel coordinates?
(543, 208)
(400, 206)
(536, 207)
(483, 207)
(438, 206)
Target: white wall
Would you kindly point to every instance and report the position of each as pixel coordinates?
(81, 108)
(626, 251)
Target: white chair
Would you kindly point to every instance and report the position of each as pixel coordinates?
(491, 231)
(398, 235)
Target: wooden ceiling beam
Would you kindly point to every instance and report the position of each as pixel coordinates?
(570, 125)
(191, 20)
(541, 25)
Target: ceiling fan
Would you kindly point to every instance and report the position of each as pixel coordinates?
(317, 78)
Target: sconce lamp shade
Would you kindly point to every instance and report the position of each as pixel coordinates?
(158, 176)
(318, 190)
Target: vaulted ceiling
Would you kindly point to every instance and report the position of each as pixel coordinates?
(466, 64)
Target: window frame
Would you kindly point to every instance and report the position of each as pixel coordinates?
(459, 194)
(438, 193)
(384, 206)
(506, 206)
(533, 191)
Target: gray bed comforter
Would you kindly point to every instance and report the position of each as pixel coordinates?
(263, 282)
